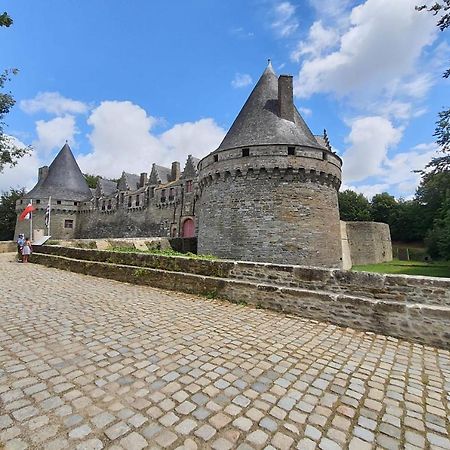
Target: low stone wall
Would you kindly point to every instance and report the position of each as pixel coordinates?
(7, 246)
(168, 263)
(413, 308)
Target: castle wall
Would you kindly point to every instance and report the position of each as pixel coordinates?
(125, 223)
(346, 255)
(279, 217)
(369, 242)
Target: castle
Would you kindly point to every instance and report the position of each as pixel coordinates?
(267, 193)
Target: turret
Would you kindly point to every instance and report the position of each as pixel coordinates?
(269, 191)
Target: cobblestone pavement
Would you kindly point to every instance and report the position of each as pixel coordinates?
(87, 363)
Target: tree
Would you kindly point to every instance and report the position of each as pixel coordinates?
(442, 131)
(353, 206)
(5, 20)
(438, 238)
(8, 213)
(9, 151)
(91, 180)
(384, 208)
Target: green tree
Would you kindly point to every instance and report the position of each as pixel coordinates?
(9, 151)
(91, 180)
(384, 208)
(442, 131)
(353, 206)
(438, 238)
(8, 213)
(5, 20)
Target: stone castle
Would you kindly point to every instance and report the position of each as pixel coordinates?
(267, 193)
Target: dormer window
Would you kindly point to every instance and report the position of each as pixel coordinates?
(216, 158)
(245, 152)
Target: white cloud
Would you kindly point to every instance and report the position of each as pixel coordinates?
(319, 39)
(53, 103)
(370, 139)
(305, 111)
(194, 138)
(284, 21)
(53, 133)
(241, 80)
(400, 168)
(122, 139)
(331, 9)
(24, 174)
(368, 190)
(382, 43)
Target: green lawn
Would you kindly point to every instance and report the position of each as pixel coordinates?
(430, 269)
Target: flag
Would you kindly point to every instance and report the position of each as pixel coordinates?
(47, 214)
(26, 212)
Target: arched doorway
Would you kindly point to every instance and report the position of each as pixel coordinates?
(188, 229)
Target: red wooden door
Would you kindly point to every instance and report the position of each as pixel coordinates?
(188, 228)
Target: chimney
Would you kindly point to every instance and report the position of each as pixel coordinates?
(42, 173)
(175, 171)
(143, 179)
(286, 97)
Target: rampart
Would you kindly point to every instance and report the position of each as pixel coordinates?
(408, 307)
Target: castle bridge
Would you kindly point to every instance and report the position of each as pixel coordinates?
(93, 363)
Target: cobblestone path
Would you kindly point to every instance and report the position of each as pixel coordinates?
(87, 363)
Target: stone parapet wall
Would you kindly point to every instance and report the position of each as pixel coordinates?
(412, 320)
(8, 246)
(409, 307)
(394, 288)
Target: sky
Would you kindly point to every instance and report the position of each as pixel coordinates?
(131, 83)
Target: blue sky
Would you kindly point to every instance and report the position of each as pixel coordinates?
(129, 83)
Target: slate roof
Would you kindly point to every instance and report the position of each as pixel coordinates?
(159, 174)
(190, 169)
(106, 187)
(259, 123)
(128, 182)
(64, 180)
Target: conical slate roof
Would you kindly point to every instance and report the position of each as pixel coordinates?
(259, 123)
(64, 180)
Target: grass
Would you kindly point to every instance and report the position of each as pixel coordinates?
(429, 269)
(166, 252)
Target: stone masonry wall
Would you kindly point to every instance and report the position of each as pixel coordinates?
(413, 308)
(270, 217)
(123, 223)
(370, 242)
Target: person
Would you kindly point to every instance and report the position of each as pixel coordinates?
(26, 250)
(20, 243)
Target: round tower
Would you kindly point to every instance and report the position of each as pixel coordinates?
(269, 192)
(61, 187)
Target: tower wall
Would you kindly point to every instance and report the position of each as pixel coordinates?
(271, 206)
(63, 221)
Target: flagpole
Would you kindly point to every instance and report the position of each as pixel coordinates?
(49, 214)
(31, 222)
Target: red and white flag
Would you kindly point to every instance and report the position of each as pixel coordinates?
(26, 214)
